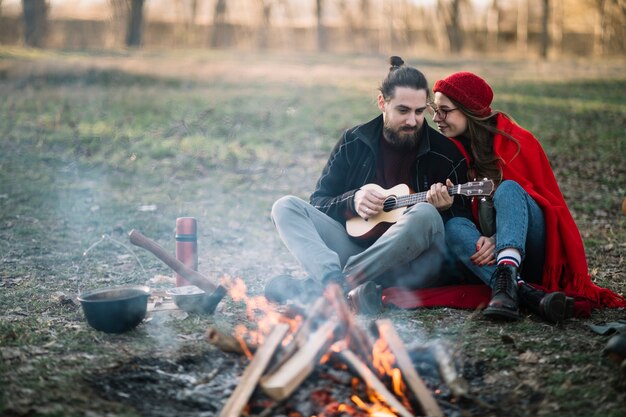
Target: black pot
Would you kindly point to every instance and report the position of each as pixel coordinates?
(117, 309)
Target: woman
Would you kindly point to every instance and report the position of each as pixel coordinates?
(535, 237)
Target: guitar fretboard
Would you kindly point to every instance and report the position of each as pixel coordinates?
(411, 199)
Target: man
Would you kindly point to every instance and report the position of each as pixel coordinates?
(397, 147)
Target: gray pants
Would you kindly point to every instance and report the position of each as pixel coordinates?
(410, 253)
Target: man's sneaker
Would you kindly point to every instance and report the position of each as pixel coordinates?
(366, 298)
(282, 288)
(503, 304)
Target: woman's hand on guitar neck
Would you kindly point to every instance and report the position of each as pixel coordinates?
(439, 197)
(368, 202)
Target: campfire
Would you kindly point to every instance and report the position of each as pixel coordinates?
(287, 347)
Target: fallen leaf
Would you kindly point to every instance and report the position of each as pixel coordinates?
(529, 357)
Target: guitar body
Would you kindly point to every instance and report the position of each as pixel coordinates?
(375, 226)
(398, 198)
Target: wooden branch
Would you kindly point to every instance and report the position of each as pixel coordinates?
(373, 382)
(316, 314)
(409, 373)
(290, 375)
(226, 342)
(358, 341)
(248, 381)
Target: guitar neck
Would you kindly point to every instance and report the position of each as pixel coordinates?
(411, 199)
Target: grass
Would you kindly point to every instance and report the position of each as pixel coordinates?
(88, 140)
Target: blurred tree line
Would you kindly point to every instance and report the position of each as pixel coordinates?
(522, 27)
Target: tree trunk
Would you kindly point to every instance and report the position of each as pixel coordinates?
(218, 36)
(599, 35)
(35, 22)
(522, 27)
(322, 35)
(135, 23)
(493, 26)
(545, 34)
(454, 28)
(557, 26)
(265, 23)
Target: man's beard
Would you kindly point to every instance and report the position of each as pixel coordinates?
(402, 138)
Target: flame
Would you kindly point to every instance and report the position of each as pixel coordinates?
(259, 311)
(376, 409)
(384, 360)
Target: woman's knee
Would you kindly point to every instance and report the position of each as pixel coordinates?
(508, 189)
(459, 231)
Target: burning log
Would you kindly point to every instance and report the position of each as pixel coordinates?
(226, 342)
(403, 361)
(373, 382)
(299, 366)
(300, 337)
(250, 378)
(358, 341)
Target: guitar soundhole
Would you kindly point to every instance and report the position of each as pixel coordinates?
(389, 203)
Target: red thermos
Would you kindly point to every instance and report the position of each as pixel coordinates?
(186, 246)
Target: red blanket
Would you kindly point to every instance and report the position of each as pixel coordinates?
(461, 296)
(565, 266)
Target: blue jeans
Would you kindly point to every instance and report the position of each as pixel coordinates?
(519, 224)
(410, 253)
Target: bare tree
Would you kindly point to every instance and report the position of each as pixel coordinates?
(35, 14)
(218, 36)
(557, 26)
(522, 27)
(493, 25)
(265, 8)
(322, 32)
(451, 13)
(545, 34)
(193, 8)
(135, 23)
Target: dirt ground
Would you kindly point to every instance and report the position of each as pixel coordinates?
(67, 205)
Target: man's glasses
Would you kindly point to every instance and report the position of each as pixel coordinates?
(440, 113)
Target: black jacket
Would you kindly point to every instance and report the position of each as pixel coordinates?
(352, 164)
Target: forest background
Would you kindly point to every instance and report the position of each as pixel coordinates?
(544, 28)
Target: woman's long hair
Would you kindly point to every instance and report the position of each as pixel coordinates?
(480, 133)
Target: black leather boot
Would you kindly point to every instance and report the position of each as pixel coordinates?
(550, 306)
(503, 304)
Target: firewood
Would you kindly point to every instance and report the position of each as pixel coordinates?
(315, 314)
(282, 383)
(358, 341)
(248, 381)
(226, 342)
(372, 381)
(409, 373)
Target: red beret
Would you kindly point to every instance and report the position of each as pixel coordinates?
(469, 90)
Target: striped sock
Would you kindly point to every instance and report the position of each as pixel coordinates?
(509, 256)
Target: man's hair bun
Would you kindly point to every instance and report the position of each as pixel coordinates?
(395, 62)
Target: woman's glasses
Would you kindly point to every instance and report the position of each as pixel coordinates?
(440, 113)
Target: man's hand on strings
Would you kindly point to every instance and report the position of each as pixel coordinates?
(438, 195)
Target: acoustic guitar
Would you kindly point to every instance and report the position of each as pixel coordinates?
(400, 197)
